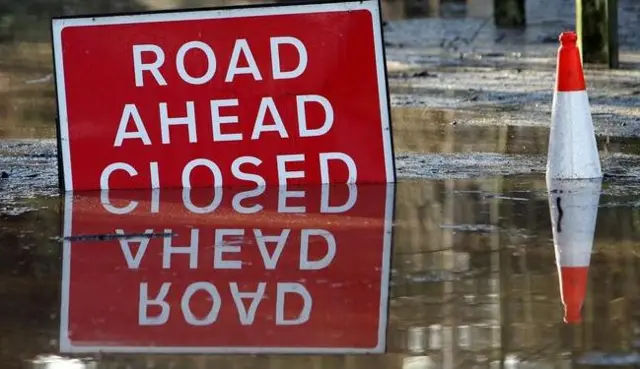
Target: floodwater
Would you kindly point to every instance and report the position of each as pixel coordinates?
(471, 260)
(421, 274)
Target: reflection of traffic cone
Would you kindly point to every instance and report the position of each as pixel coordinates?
(573, 151)
(574, 209)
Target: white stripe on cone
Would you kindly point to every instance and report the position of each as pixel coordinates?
(573, 151)
(574, 210)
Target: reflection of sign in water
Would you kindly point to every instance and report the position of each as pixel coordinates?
(274, 95)
(225, 270)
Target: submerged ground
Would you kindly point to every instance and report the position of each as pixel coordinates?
(473, 275)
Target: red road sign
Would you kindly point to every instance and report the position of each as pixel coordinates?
(288, 94)
(235, 271)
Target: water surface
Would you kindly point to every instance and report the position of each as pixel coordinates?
(455, 266)
(466, 276)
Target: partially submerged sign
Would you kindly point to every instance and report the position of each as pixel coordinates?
(227, 270)
(287, 94)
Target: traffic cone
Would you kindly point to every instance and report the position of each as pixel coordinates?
(573, 151)
(574, 209)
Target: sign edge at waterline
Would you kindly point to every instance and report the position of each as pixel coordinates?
(58, 24)
(66, 346)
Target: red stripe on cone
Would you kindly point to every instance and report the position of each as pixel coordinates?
(574, 287)
(569, 74)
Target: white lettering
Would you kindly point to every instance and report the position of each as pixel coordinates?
(144, 302)
(270, 262)
(186, 172)
(283, 174)
(191, 250)
(297, 288)
(106, 173)
(238, 207)
(134, 262)
(139, 66)
(155, 177)
(215, 202)
(276, 67)
(324, 166)
(283, 195)
(241, 45)
(324, 200)
(186, 302)
(131, 111)
(106, 204)
(155, 200)
(211, 62)
(235, 169)
(221, 246)
(302, 115)
(267, 103)
(247, 317)
(305, 263)
(189, 120)
(218, 120)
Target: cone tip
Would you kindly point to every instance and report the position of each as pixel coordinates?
(573, 315)
(573, 285)
(568, 38)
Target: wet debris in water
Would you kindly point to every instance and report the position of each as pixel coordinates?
(601, 358)
(548, 39)
(615, 175)
(470, 227)
(54, 361)
(417, 74)
(500, 197)
(105, 237)
(391, 44)
(424, 73)
(12, 212)
(493, 55)
(4, 175)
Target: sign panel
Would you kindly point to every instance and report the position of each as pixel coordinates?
(272, 95)
(269, 269)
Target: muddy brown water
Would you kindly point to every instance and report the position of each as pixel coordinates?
(455, 266)
(468, 278)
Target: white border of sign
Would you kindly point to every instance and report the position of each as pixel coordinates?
(67, 347)
(373, 6)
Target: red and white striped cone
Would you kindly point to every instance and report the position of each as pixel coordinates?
(574, 209)
(573, 151)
